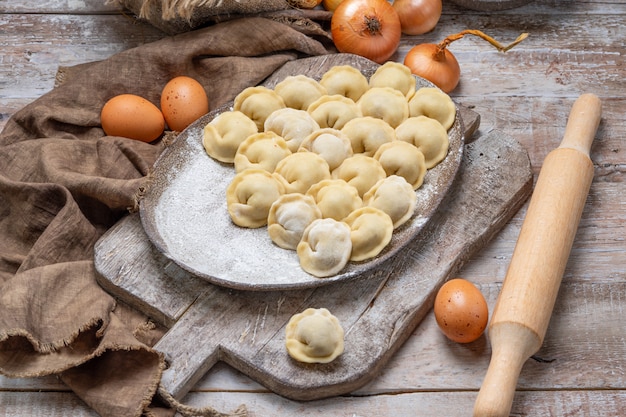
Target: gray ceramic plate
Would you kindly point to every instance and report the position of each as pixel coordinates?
(184, 210)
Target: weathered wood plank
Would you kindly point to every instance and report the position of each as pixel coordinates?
(423, 404)
(35, 46)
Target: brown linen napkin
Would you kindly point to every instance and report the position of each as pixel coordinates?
(63, 183)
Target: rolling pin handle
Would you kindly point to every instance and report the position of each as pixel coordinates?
(582, 124)
(515, 344)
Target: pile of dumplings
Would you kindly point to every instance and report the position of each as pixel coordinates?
(331, 166)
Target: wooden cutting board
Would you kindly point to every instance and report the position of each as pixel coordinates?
(378, 312)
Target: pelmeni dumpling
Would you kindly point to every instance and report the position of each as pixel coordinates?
(385, 103)
(367, 133)
(301, 170)
(299, 91)
(325, 247)
(258, 103)
(360, 171)
(250, 195)
(262, 150)
(292, 125)
(335, 198)
(395, 75)
(345, 80)
(314, 336)
(433, 103)
(222, 136)
(289, 216)
(330, 144)
(403, 159)
(370, 232)
(333, 111)
(428, 135)
(395, 196)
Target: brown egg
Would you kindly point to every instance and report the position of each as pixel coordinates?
(183, 100)
(461, 311)
(131, 116)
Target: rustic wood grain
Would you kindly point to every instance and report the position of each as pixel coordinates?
(573, 47)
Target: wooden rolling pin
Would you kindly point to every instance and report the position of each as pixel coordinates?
(524, 306)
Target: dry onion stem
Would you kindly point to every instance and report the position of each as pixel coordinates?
(502, 48)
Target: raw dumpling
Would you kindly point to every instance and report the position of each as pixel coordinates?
(222, 136)
(335, 198)
(371, 231)
(385, 103)
(301, 170)
(367, 133)
(360, 171)
(299, 91)
(428, 135)
(395, 75)
(250, 195)
(325, 247)
(345, 80)
(314, 336)
(403, 159)
(262, 150)
(395, 196)
(289, 216)
(258, 103)
(333, 111)
(433, 103)
(292, 125)
(330, 144)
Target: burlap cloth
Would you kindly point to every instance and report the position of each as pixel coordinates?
(63, 183)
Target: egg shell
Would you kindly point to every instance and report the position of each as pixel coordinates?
(461, 311)
(183, 100)
(132, 116)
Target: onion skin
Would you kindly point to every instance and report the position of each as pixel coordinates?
(369, 28)
(331, 5)
(437, 65)
(418, 16)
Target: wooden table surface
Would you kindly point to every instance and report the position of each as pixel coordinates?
(574, 47)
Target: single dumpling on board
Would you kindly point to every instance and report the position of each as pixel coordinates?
(222, 136)
(427, 135)
(325, 247)
(360, 171)
(395, 75)
(345, 80)
(258, 103)
(370, 232)
(384, 103)
(292, 125)
(335, 198)
(314, 336)
(250, 195)
(403, 159)
(301, 170)
(299, 91)
(367, 133)
(331, 144)
(261, 150)
(289, 216)
(434, 103)
(333, 111)
(395, 196)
